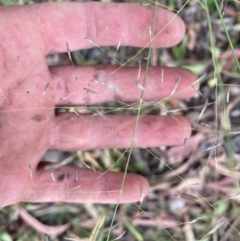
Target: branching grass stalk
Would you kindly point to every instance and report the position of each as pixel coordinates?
(147, 45)
(228, 137)
(227, 34)
(103, 50)
(218, 133)
(219, 83)
(138, 117)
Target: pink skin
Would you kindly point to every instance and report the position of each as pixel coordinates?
(29, 126)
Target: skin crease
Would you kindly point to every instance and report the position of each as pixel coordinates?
(30, 89)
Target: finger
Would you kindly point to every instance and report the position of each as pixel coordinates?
(91, 85)
(73, 132)
(105, 24)
(72, 184)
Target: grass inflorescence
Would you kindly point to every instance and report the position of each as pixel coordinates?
(194, 187)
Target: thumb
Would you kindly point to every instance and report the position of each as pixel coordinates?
(73, 184)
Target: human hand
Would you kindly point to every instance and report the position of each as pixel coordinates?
(29, 89)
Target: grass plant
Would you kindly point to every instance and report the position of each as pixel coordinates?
(195, 190)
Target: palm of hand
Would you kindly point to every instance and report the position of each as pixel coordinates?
(30, 90)
(25, 124)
